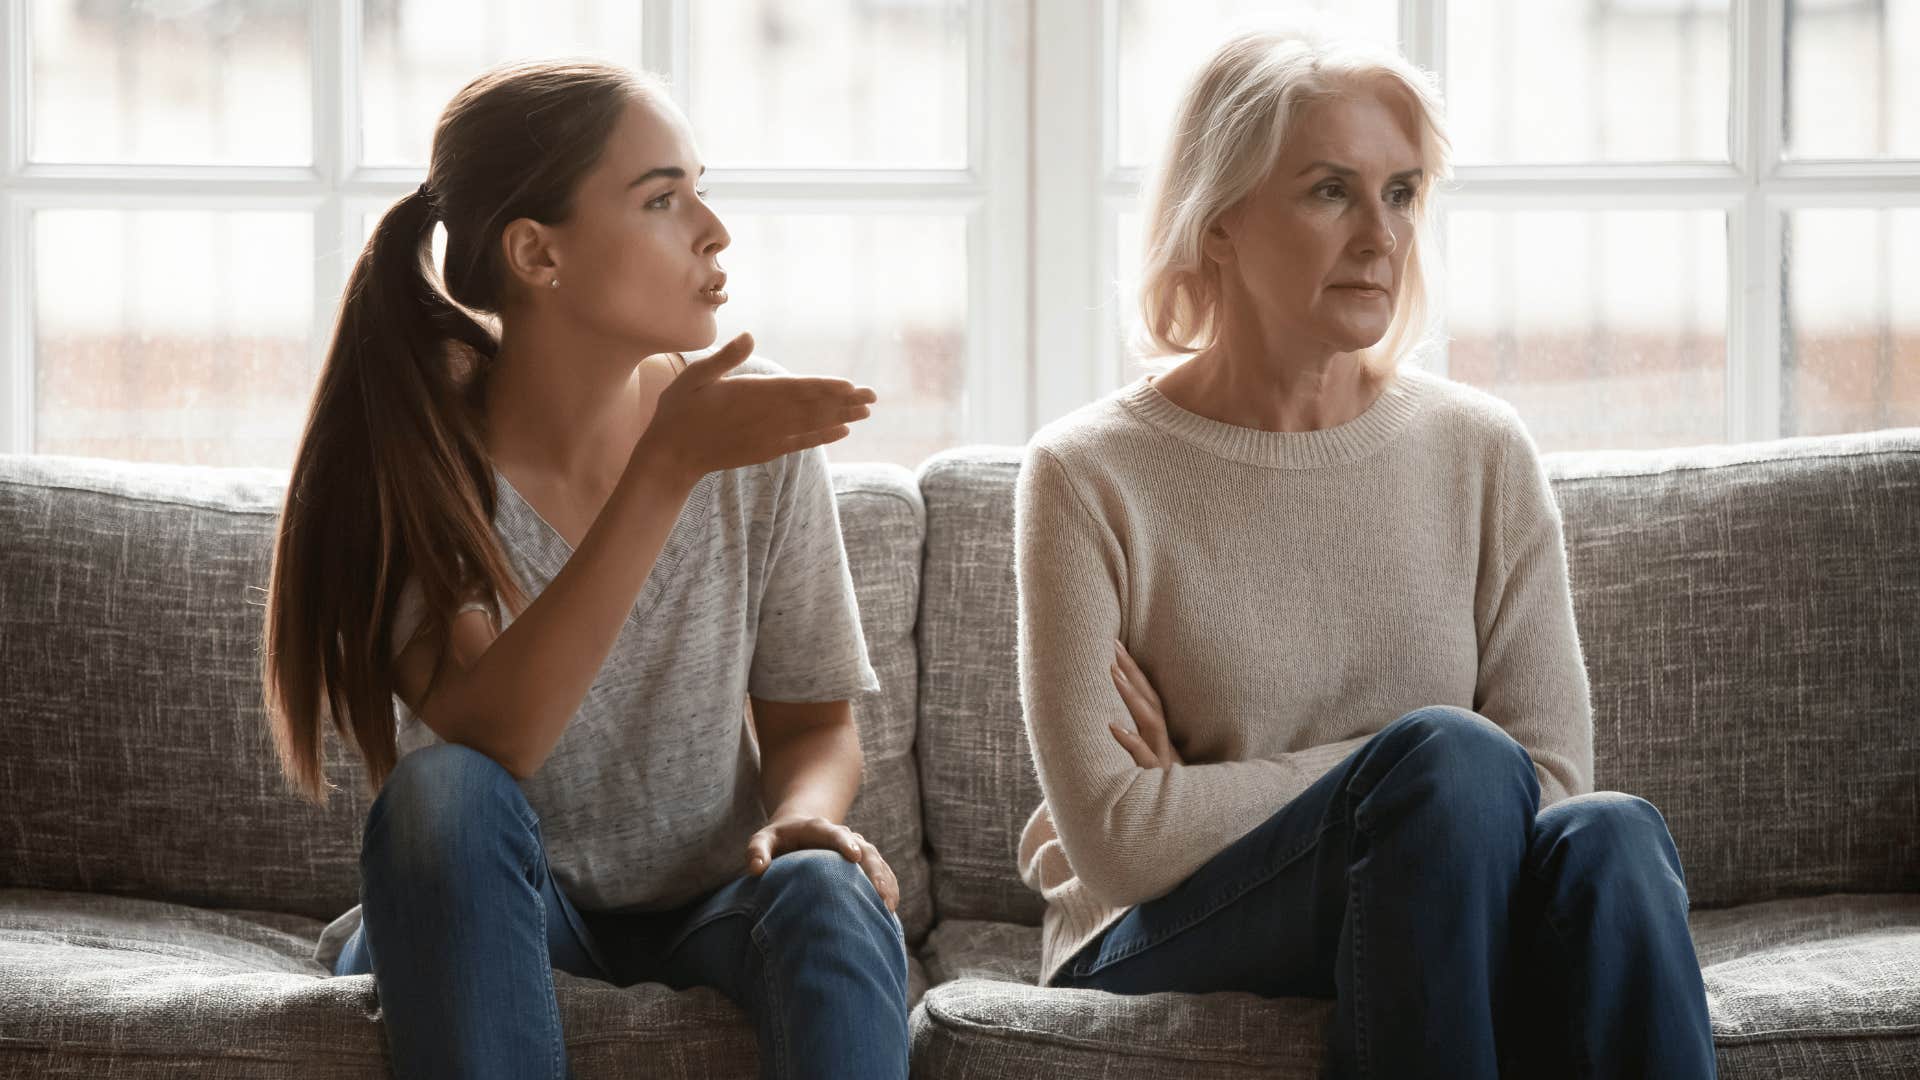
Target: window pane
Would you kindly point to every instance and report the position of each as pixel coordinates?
(830, 82)
(1853, 79)
(419, 53)
(222, 83)
(1605, 329)
(1850, 354)
(1574, 80)
(877, 298)
(164, 335)
(1162, 41)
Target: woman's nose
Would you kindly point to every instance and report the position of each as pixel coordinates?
(1376, 235)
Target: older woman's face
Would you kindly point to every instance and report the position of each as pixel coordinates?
(1319, 247)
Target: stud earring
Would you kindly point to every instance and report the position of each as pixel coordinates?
(554, 284)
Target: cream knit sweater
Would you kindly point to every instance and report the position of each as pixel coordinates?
(1289, 595)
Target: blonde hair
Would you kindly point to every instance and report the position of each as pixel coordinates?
(1230, 129)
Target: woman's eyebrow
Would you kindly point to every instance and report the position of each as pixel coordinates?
(673, 172)
(1343, 170)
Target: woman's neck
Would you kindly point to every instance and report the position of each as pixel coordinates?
(1254, 392)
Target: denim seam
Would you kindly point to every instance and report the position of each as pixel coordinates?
(1221, 899)
(558, 1057)
(776, 1017)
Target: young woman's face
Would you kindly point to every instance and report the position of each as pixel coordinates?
(638, 257)
(1319, 247)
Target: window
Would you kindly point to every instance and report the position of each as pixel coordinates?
(1675, 221)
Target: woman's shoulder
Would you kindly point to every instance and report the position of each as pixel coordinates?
(1458, 411)
(1092, 433)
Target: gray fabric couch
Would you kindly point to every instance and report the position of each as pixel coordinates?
(1751, 620)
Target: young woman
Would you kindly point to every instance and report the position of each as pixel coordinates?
(1298, 655)
(574, 559)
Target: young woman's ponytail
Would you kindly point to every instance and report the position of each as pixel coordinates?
(392, 481)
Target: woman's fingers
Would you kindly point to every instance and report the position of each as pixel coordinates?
(882, 877)
(1134, 675)
(1142, 756)
(760, 852)
(1146, 714)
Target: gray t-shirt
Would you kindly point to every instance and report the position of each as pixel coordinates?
(652, 792)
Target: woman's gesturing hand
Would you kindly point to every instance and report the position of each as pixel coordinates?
(801, 833)
(1148, 743)
(705, 422)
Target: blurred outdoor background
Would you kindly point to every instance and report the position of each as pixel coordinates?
(1677, 221)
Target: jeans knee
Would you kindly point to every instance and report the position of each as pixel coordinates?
(1605, 834)
(826, 891)
(438, 799)
(814, 877)
(1469, 767)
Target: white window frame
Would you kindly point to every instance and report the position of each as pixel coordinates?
(1041, 195)
(990, 193)
(1074, 239)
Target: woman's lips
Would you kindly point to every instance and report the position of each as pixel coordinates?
(715, 296)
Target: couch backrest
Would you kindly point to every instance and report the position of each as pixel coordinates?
(1750, 617)
(137, 758)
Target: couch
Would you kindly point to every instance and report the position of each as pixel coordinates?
(1750, 616)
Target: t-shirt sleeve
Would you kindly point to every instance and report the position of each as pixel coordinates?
(808, 645)
(407, 615)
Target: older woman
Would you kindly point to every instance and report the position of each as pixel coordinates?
(1297, 650)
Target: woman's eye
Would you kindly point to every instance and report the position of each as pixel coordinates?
(660, 202)
(1330, 191)
(1401, 196)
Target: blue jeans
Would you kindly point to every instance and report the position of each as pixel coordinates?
(462, 924)
(1460, 930)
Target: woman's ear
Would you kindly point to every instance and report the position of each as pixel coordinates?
(526, 246)
(1216, 242)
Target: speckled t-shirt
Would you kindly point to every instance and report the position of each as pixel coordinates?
(652, 792)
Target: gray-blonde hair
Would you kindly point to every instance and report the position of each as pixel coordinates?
(1229, 131)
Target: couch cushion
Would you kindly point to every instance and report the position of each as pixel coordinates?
(139, 758)
(976, 772)
(108, 987)
(884, 526)
(1747, 617)
(985, 1029)
(1750, 617)
(1816, 986)
(139, 761)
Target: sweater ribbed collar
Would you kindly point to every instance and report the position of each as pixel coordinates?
(1337, 445)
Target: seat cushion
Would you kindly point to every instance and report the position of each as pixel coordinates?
(107, 987)
(1818, 986)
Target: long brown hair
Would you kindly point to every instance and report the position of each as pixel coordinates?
(392, 479)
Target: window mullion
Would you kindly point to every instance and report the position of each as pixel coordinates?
(16, 339)
(1754, 251)
(336, 146)
(664, 34)
(1072, 347)
(999, 361)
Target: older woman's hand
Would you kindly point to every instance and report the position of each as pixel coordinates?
(1149, 744)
